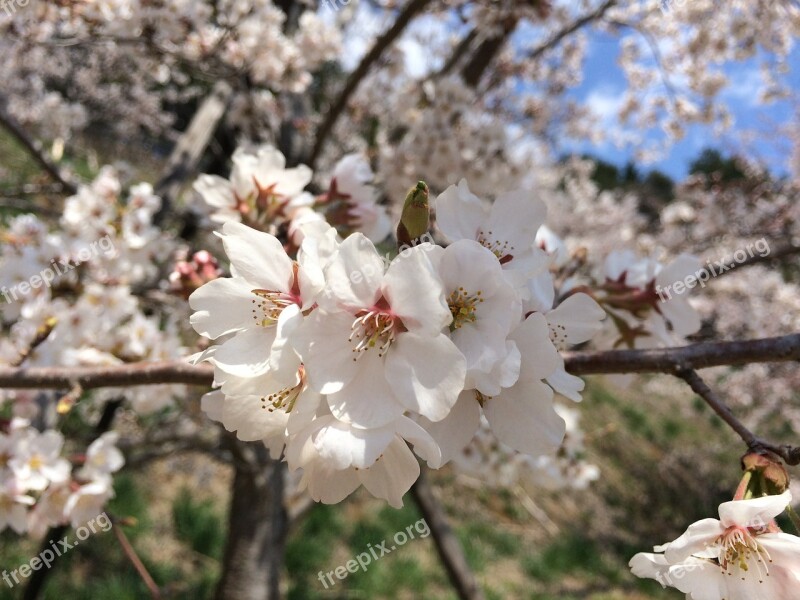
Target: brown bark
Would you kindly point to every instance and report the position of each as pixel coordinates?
(257, 526)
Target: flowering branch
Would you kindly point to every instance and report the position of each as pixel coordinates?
(790, 454)
(663, 360)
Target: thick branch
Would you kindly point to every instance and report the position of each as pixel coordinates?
(659, 360)
(16, 130)
(411, 10)
(791, 455)
(191, 146)
(486, 53)
(145, 373)
(696, 356)
(447, 544)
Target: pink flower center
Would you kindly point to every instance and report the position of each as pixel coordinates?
(741, 549)
(374, 328)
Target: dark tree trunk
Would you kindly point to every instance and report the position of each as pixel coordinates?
(257, 527)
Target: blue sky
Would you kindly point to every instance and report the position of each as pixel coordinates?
(604, 84)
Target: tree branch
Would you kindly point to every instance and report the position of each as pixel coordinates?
(362, 70)
(790, 454)
(447, 545)
(137, 563)
(598, 13)
(696, 356)
(658, 360)
(191, 146)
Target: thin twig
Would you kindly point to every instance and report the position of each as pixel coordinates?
(361, 71)
(790, 454)
(42, 333)
(137, 563)
(781, 250)
(598, 13)
(15, 129)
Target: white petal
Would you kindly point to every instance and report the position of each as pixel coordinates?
(566, 384)
(541, 293)
(283, 359)
(327, 486)
(651, 566)
(354, 274)
(456, 430)
(424, 445)
(459, 213)
(415, 292)
(539, 357)
(215, 191)
(756, 512)
(684, 319)
(695, 539)
(222, 306)
(211, 404)
(427, 373)
(322, 342)
(678, 270)
(246, 354)
(393, 475)
(577, 319)
(523, 417)
(368, 400)
(516, 217)
(251, 418)
(258, 257)
(341, 445)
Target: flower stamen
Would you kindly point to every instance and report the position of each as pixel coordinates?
(739, 548)
(463, 307)
(373, 328)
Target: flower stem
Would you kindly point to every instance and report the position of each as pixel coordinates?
(741, 491)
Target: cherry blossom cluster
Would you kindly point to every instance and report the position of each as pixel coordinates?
(134, 57)
(264, 195)
(340, 357)
(41, 488)
(92, 313)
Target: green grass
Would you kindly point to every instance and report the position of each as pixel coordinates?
(198, 523)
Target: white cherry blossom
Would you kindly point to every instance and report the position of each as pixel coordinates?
(375, 346)
(741, 556)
